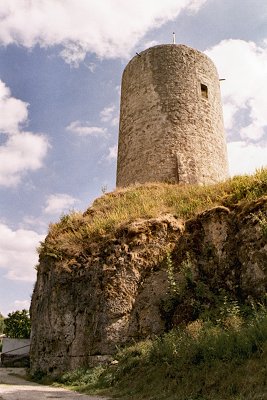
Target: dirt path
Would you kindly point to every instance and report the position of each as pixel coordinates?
(16, 388)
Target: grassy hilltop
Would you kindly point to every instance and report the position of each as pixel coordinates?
(71, 234)
(222, 354)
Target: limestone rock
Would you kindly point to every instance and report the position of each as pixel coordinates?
(115, 290)
(87, 311)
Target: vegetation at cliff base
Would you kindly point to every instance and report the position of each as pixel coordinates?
(70, 236)
(204, 360)
(220, 352)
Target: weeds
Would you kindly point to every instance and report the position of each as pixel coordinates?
(178, 287)
(82, 377)
(191, 296)
(170, 274)
(261, 218)
(204, 360)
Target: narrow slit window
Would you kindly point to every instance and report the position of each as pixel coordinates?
(204, 91)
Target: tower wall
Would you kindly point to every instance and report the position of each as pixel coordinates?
(171, 123)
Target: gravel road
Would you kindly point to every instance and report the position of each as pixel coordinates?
(14, 387)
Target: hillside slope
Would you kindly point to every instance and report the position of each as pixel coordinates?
(143, 260)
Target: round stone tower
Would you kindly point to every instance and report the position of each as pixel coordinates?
(171, 123)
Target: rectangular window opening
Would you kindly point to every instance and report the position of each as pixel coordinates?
(204, 91)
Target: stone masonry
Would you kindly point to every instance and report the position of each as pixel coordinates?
(171, 123)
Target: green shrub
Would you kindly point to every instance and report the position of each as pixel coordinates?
(204, 360)
(82, 377)
(18, 325)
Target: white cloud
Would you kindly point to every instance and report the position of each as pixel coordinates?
(91, 67)
(18, 254)
(22, 305)
(110, 114)
(108, 28)
(58, 203)
(82, 129)
(13, 112)
(112, 155)
(21, 151)
(73, 54)
(151, 43)
(107, 113)
(244, 65)
(229, 112)
(38, 223)
(118, 89)
(115, 121)
(246, 157)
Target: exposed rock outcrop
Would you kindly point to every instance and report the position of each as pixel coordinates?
(117, 289)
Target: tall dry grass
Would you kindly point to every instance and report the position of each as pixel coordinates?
(71, 234)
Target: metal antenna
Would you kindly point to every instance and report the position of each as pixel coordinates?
(173, 38)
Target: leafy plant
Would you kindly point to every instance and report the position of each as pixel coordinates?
(18, 325)
(170, 274)
(261, 218)
(2, 323)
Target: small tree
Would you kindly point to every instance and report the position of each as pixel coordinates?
(18, 325)
(2, 323)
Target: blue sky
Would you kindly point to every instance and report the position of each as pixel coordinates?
(60, 69)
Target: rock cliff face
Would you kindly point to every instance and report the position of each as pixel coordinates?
(149, 276)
